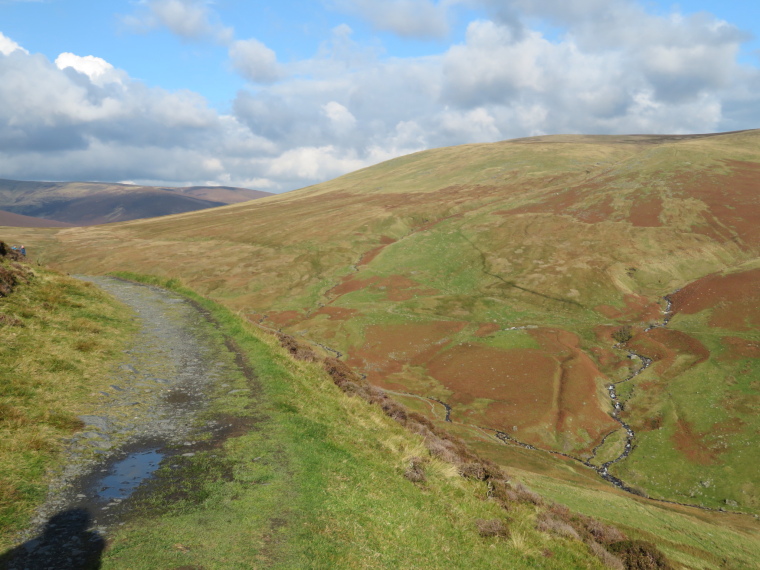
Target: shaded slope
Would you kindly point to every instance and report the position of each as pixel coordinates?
(88, 203)
(491, 277)
(19, 221)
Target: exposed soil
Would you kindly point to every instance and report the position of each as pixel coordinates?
(636, 308)
(740, 348)
(732, 199)
(645, 211)
(395, 287)
(387, 348)
(733, 298)
(153, 413)
(486, 329)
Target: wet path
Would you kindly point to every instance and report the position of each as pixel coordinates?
(151, 412)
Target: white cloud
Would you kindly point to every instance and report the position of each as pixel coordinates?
(616, 69)
(189, 19)
(97, 69)
(341, 118)
(406, 18)
(255, 61)
(8, 46)
(314, 163)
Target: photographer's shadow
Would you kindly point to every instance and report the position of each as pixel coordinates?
(65, 544)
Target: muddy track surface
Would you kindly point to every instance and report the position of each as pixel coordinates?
(152, 415)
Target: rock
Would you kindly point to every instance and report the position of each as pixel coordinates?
(98, 422)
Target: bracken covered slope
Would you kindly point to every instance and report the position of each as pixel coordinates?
(493, 284)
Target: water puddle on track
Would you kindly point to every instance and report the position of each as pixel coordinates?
(151, 413)
(127, 475)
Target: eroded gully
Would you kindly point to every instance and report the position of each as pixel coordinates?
(151, 415)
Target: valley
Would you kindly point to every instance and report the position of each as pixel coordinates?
(583, 310)
(60, 204)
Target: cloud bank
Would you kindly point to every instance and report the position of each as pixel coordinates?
(613, 68)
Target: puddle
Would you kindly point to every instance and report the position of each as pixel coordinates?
(126, 475)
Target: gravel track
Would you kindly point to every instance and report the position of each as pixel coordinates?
(150, 413)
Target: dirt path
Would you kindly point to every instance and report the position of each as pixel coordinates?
(151, 413)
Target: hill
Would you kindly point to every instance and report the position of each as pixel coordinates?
(19, 221)
(284, 470)
(505, 287)
(89, 203)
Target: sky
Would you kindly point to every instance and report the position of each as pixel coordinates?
(280, 95)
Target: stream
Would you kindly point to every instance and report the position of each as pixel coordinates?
(617, 408)
(150, 414)
(617, 405)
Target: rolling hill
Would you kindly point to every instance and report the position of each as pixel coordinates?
(19, 221)
(89, 203)
(579, 308)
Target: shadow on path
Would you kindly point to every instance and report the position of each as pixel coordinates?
(65, 544)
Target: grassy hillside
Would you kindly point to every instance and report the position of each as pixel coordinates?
(491, 278)
(87, 203)
(319, 482)
(19, 221)
(322, 482)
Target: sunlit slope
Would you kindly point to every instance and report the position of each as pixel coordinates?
(491, 277)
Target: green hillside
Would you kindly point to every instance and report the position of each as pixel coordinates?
(320, 480)
(494, 280)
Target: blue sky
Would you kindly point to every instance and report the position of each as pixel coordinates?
(278, 95)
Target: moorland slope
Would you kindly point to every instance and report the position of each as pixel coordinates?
(19, 221)
(88, 203)
(505, 287)
(282, 470)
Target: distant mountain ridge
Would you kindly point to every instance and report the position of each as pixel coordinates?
(92, 203)
(19, 221)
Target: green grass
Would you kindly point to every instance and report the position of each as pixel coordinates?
(318, 483)
(58, 341)
(552, 267)
(693, 539)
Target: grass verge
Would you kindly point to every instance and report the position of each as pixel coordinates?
(59, 337)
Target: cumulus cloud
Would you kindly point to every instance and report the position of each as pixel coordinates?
(612, 68)
(189, 19)
(342, 119)
(255, 61)
(406, 18)
(97, 69)
(8, 46)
